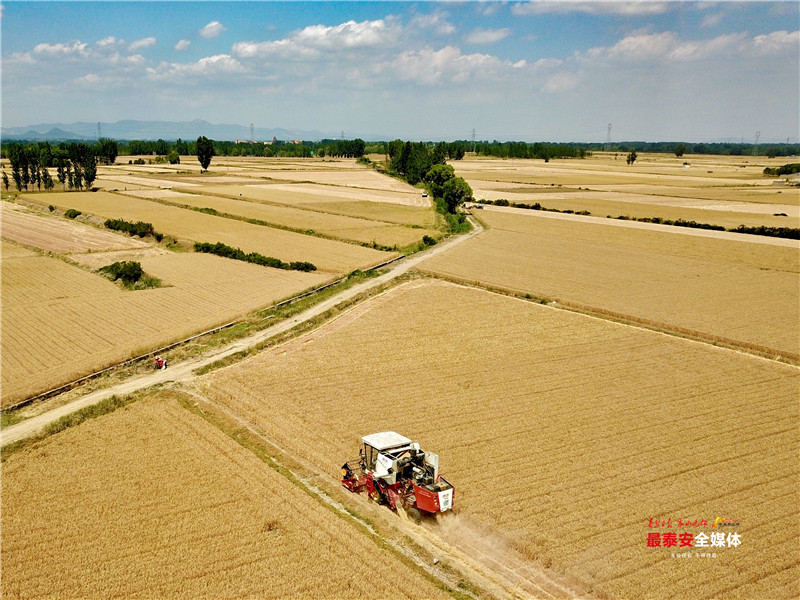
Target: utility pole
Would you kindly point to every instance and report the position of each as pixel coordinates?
(252, 135)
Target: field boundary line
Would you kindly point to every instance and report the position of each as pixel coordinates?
(72, 384)
(765, 352)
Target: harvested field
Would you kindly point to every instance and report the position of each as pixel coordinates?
(727, 191)
(328, 255)
(60, 322)
(339, 226)
(56, 234)
(563, 434)
(743, 291)
(152, 501)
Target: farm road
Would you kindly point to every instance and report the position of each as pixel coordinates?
(184, 371)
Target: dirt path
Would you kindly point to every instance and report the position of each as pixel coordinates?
(184, 371)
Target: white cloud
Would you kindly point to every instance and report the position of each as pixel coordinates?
(448, 65)
(75, 48)
(561, 82)
(212, 30)
(182, 45)
(777, 42)
(642, 47)
(610, 7)
(488, 36)
(143, 43)
(210, 66)
(107, 41)
(437, 21)
(310, 41)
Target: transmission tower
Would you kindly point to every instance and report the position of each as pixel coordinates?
(755, 147)
(99, 131)
(342, 135)
(607, 145)
(252, 135)
(473, 141)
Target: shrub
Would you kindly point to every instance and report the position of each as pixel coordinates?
(128, 271)
(51, 208)
(72, 213)
(226, 251)
(140, 228)
(428, 240)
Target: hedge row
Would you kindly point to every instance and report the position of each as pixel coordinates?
(140, 228)
(221, 249)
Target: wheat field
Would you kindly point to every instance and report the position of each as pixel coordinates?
(152, 501)
(338, 226)
(564, 433)
(744, 291)
(60, 321)
(328, 255)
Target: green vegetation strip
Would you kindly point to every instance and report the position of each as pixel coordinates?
(221, 249)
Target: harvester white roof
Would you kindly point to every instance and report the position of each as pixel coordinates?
(386, 440)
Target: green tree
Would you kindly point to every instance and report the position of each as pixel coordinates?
(173, 157)
(631, 157)
(456, 191)
(437, 176)
(107, 150)
(680, 149)
(5, 180)
(205, 151)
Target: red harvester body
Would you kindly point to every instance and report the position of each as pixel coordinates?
(394, 470)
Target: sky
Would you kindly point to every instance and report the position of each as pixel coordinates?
(531, 71)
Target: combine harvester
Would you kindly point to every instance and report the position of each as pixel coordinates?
(394, 471)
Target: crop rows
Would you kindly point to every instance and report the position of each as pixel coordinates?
(564, 433)
(741, 291)
(339, 226)
(328, 255)
(151, 501)
(60, 321)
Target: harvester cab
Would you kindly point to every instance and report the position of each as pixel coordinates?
(395, 471)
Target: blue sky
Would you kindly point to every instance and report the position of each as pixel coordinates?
(561, 71)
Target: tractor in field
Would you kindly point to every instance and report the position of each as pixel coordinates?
(394, 471)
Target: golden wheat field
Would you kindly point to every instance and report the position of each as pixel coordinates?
(744, 291)
(338, 226)
(55, 234)
(328, 255)
(152, 501)
(727, 191)
(60, 321)
(563, 433)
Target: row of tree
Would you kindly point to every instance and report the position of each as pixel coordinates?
(76, 165)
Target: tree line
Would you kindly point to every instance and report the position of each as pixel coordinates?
(75, 164)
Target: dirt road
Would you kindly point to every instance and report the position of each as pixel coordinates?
(184, 371)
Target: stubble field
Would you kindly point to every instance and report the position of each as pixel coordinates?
(60, 321)
(744, 290)
(722, 190)
(565, 434)
(152, 501)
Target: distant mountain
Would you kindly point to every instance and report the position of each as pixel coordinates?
(154, 130)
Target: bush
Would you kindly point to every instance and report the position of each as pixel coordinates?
(72, 213)
(226, 251)
(428, 240)
(140, 228)
(128, 271)
(51, 208)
